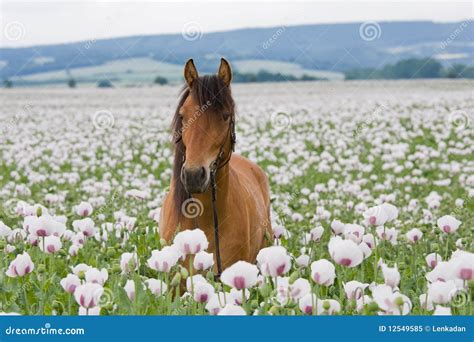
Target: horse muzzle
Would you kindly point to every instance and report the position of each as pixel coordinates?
(195, 180)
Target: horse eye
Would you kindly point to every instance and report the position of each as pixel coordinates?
(226, 116)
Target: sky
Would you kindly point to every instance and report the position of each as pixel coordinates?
(27, 23)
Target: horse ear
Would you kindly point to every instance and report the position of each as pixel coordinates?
(190, 72)
(225, 72)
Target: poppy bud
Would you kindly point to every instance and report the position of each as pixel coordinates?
(176, 279)
(39, 211)
(295, 275)
(399, 301)
(274, 310)
(41, 268)
(326, 305)
(162, 242)
(184, 272)
(372, 307)
(265, 291)
(62, 253)
(110, 252)
(116, 269)
(254, 304)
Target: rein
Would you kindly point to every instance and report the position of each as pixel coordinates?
(213, 172)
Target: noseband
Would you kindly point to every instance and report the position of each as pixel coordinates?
(214, 167)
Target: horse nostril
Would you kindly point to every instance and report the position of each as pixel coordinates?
(203, 174)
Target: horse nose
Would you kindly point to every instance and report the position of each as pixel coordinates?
(195, 180)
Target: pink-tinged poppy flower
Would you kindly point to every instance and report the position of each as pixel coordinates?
(345, 252)
(51, 244)
(292, 292)
(88, 295)
(414, 235)
(203, 261)
(317, 233)
(20, 266)
(441, 292)
(192, 281)
(203, 292)
(369, 239)
(5, 231)
(93, 275)
(391, 302)
(85, 226)
(307, 303)
(241, 275)
(89, 312)
(323, 272)
(128, 262)
(273, 261)
(156, 286)
(388, 234)
(70, 283)
(236, 296)
(164, 260)
(391, 275)
(217, 302)
(375, 216)
(80, 270)
(232, 310)
(328, 307)
(442, 311)
(191, 241)
(448, 224)
(426, 302)
(84, 209)
(433, 259)
(302, 260)
(463, 264)
(443, 271)
(337, 227)
(354, 232)
(354, 289)
(43, 226)
(130, 289)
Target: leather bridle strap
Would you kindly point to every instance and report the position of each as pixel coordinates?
(216, 221)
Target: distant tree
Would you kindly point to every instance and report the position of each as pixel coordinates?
(71, 83)
(8, 84)
(460, 71)
(160, 80)
(104, 84)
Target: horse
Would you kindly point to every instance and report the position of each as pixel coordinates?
(203, 130)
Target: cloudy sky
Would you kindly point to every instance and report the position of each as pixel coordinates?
(26, 23)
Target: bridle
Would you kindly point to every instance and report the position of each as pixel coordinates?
(214, 167)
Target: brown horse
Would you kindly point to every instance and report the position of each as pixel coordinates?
(203, 129)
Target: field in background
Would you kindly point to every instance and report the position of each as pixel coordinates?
(332, 150)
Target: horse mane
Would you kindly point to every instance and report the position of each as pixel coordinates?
(209, 91)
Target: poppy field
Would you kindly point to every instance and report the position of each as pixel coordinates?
(372, 187)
